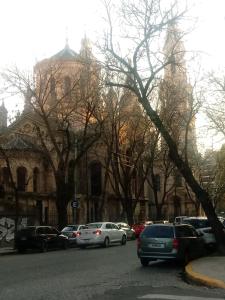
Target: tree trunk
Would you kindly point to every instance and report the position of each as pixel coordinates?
(61, 201)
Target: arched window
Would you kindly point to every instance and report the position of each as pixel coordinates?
(52, 87)
(21, 178)
(96, 179)
(67, 87)
(36, 180)
(5, 179)
(6, 176)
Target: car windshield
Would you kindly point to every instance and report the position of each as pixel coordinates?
(94, 225)
(158, 232)
(70, 228)
(197, 223)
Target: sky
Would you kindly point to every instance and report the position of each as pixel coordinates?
(31, 30)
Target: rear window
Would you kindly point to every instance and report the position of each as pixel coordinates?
(29, 231)
(94, 225)
(184, 231)
(70, 228)
(197, 223)
(158, 232)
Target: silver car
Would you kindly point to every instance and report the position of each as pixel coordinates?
(129, 231)
(101, 233)
(169, 242)
(71, 232)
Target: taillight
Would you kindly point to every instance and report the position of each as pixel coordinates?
(97, 232)
(74, 234)
(138, 242)
(78, 233)
(175, 244)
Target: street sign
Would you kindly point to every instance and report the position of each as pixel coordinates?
(74, 204)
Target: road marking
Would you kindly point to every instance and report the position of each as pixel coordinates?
(175, 297)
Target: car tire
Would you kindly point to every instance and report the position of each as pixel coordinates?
(106, 242)
(65, 245)
(44, 246)
(82, 247)
(124, 240)
(21, 250)
(144, 262)
(186, 258)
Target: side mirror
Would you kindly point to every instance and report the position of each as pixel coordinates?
(199, 234)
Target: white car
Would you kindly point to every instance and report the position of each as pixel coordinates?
(101, 233)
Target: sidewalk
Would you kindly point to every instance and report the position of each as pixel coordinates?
(208, 270)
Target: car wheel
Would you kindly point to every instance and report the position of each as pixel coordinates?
(106, 242)
(144, 262)
(82, 247)
(21, 250)
(65, 245)
(186, 258)
(124, 240)
(44, 246)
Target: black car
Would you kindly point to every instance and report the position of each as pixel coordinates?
(169, 242)
(40, 237)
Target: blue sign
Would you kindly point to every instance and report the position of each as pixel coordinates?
(74, 204)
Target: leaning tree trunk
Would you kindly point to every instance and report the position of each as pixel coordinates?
(61, 202)
(185, 170)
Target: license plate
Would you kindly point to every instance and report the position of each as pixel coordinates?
(156, 245)
(23, 238)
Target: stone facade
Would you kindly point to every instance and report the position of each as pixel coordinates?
(65, 74)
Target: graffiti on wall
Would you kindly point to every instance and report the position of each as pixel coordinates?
(7, 228)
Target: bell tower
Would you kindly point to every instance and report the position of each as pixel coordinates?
(176, 93)
(3, 116)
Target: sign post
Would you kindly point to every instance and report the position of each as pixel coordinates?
(74, 205)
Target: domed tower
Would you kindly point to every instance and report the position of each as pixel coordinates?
(64, 81)
(3, 116)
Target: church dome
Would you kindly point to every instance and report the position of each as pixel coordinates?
(65, 54)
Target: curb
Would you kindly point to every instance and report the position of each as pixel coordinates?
(205, 280)
(7, 252)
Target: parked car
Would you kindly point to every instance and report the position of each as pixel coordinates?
(201, 224)
(169, 242)
(101, 233)
(138, 228)
(161, 222)
(71, 232)
(222, 220)
(129, 231)
(40, 237)
(179, 219)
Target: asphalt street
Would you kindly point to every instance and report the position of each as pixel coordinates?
(113, 273)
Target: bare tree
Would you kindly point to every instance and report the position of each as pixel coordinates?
(125, 141)
(145, 21)
(64, 110)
